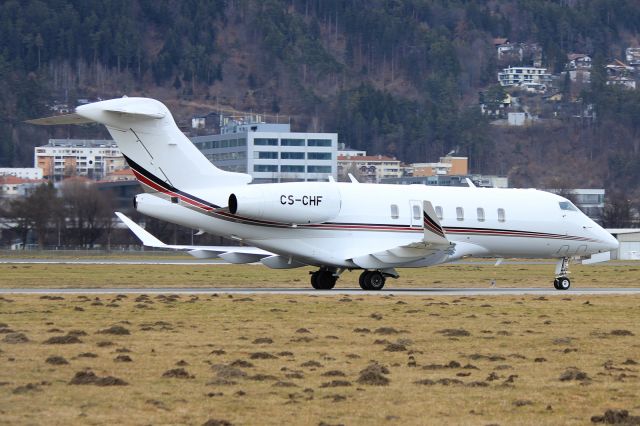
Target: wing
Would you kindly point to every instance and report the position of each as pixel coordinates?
(433, 247)
(232, 254)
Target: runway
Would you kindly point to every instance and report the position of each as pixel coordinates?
(541, 291)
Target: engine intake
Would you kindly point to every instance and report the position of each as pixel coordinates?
(297, 203)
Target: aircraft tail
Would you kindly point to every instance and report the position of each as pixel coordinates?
(161, 156)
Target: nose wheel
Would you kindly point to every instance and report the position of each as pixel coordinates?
(562, 281)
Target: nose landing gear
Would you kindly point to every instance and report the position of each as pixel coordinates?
(562, 281)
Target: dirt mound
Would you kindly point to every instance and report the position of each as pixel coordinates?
(227, 372)
(29, 387)
(182, 363)
(616, 417)
(333, 373)
(374, 375)
(62, 340)
(88, 377)
(216, 422)
(263, 341)
(386, 330)
(56, 360)
(285, 353)
(177, 373)
(15, 338)
(572, 373)
(454, 332)
(280, 384)
(240, 363)
(87, 355)
(262, 377)
(117, 330)
(335, 384)
(262, 355)
(123, 358)
(104, 344)
(302, 331)
(311, 363)
(492, 358)
(395, 347)
(221, 382)
(361, 330)
(621, 333)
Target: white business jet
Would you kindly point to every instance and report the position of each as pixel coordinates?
(332, 226)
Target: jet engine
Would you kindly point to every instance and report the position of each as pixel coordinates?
(297, 203)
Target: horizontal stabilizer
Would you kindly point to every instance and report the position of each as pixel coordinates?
(243, 254)
(60, 119)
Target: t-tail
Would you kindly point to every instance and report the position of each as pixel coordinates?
(161, 156)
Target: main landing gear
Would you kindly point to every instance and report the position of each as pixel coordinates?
(372, 280)
(323, 279)
(562, 281)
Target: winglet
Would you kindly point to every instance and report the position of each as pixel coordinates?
(470, 183)
(433, 231)
(146, 238)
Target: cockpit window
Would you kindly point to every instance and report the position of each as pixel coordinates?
(567, 205)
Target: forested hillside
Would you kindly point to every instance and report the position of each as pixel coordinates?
(390, 76)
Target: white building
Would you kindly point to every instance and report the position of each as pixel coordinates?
(271, 152)
(369, 168)
(22, 172)
(63, 158)
(629, 239)
(519, 76)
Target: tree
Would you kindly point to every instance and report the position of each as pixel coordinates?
(88, 212)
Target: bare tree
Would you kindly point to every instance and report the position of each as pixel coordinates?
(88, 212)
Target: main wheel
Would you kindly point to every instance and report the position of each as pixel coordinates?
(363, 280)
(555, 284)
(372, 280)
(564, 283)
(314, 280)
(323, 280)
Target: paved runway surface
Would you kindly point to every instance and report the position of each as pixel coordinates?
(335, 292)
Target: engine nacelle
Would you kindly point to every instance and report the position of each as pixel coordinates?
(297, 203)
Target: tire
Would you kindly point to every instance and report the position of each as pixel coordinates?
(555, 284)
(564, 283)
(324, 280)
(363, 280)
(375, 280)
(314, 280)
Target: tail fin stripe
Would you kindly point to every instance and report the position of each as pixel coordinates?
(158, 184)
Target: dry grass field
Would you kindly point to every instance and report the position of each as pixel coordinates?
(317, 359)
(223, 276)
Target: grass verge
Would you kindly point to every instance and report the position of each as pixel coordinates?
(317, 359)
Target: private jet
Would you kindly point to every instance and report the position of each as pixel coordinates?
(333, 226)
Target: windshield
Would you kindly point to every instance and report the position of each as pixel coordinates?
(567, 205)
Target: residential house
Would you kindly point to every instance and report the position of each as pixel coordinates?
(528, 77)
(633, 56)
(370, 168)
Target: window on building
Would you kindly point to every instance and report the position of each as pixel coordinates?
(319, 156)
(319, 142)
(291, 169)
(292, 142)
(265, 155)
(319, 169)
(292, 155)
(394, 211)
(264, 141)
(459, 213)
(480, 214)
(501, 215)
(265, 168)
(439, 212)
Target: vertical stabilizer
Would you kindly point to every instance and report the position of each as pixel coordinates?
(152, 144)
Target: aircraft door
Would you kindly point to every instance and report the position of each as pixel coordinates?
(416, 213)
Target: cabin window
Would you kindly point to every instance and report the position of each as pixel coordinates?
(394, 211)
(459, 213)
(439, 212)
(567, 205)
(174, 200)
(417, 214)
(501, 215)
(480, 214)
